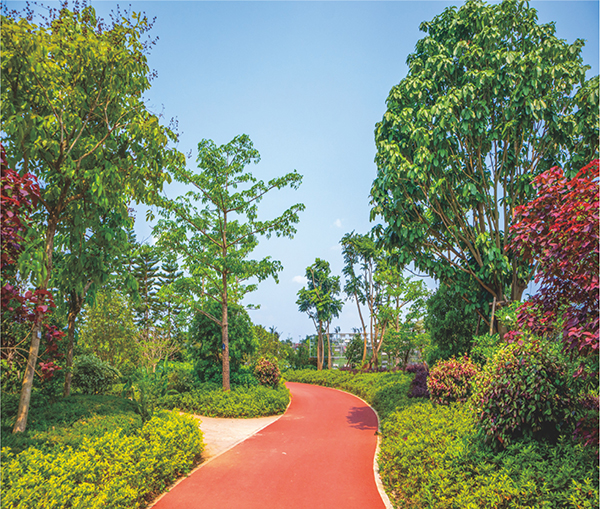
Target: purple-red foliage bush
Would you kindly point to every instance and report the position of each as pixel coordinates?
(418, 386)
(559, 231)
(452, 380)
(19, 195)
(267, 372)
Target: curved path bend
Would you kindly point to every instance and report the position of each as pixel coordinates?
(319, 454)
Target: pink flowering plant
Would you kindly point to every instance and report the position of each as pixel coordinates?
(267, 372)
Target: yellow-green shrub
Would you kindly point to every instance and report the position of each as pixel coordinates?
(385, 391)
(113, 471)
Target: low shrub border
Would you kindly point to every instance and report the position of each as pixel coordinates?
(212, 401)
(114, 471)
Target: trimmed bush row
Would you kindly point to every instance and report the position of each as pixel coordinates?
(115, 471)
(238, 402)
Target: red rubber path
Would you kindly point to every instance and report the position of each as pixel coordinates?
(318, 455)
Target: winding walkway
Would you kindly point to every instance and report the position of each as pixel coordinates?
(319, 454)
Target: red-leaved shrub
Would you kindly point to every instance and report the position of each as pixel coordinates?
(452, 380)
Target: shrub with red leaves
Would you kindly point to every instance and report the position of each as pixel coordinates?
(267, 372)
(559, 231)
(452, 380)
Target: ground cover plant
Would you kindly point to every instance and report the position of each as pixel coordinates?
(94, 452)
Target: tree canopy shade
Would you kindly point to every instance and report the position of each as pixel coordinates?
(491, 99)
(215, 241)
(319, 299)
(73, 115)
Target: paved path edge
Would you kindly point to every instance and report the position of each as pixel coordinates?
(207, 461)
(378, 482)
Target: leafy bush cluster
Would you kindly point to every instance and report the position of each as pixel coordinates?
(431, 456)
(452, 380)
(267, 372)
(526, 391)
(212, 401)
(92, 375)
(114, 470)
(418, 386)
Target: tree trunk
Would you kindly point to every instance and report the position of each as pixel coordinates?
(70, 343)
(75, 304)
(34, 348)
(320, 348)
(328, 350)
(362, 321)
(225, 336)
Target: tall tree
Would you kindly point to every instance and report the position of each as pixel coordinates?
(374, 280)
(491, 99)
(216, 241)
(319, 299)
(83, 264)
(170, 310)
(146, 270)
(74, 116)
(560, 230)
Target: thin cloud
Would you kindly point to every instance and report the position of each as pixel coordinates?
(300, 280)
(337, 223)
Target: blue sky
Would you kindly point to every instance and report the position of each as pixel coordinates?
(307, 81)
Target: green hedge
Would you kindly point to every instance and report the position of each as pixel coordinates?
(384, 391)
(238, 402)
(431, 456)
(114, 470)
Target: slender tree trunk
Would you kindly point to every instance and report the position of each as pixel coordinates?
(75, 304)
(328, 350)
(362, 321)
(225, 335)
(70, 344)
(34, 348)
(320, 347)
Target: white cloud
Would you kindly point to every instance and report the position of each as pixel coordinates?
(300, 280)
(337, 223)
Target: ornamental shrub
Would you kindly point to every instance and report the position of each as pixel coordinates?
(210, 400)
(452, 380)
(418, 386)
(526, 391)
(267, 372)
(92, 375)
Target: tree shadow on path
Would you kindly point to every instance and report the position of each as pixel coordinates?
(362, 418)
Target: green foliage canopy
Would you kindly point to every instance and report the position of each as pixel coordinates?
(491, 99)
(216, 241)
